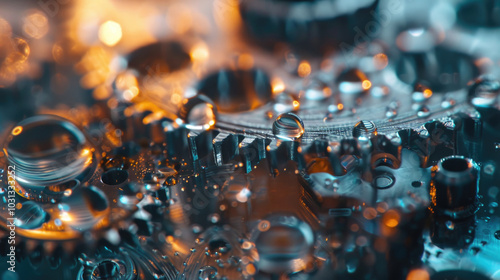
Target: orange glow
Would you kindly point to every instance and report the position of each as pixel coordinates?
(110, 33)
(418, 274)
(278, 85)
(245, 61)
(296, 104)
(130, 93)
(391, 218)
(380, 60)
(340, 106)
(250, 269)
(304, 69)
(64, 216)
(427, 93)
(17, 130)
(354, 228)
(370, 213)
(366, 84)
(36, 24)
(199, 52)
(101, 92)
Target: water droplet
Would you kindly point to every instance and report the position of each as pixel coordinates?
(497, 234)
(288, 127)
(48, 150)
(214, 218)
(364, 128)
(450, 225)
(423, 111)
(489, 169)
(484, 92)
(30, 216)
(447, 103)
(87, 207)
(335, 108)
(497, 145)
(317, 91)
(207, 273)
(288, 240)
(199, 113)
(391, 113)
(353, 81)
(421, 93)
(351, 265)
(285, 102)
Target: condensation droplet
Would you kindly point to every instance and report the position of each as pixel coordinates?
(207, 273)
(199, 113)
(353, 81)
(497, 234)
(484, 92)
(30, 216)
(48, 150)
(421, 93)
(423, 111)
(285, 102)
(450, 225)
(288, 127)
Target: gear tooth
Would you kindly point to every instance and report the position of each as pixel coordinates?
(252, 151)
(469, 133)
(279, 153)
(226, 147)
(201, 146)
(177, 143)
(417, 140)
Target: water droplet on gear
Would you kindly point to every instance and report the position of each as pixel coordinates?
(207, 273)
(484, 92)
(48, 150)
(30, 216)
(289, 127)
(353, 81)
(199, 113)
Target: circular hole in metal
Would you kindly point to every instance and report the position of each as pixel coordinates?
(455, 164)
(417, 184)
(114, 176)
(105, 270)
(383, 181)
